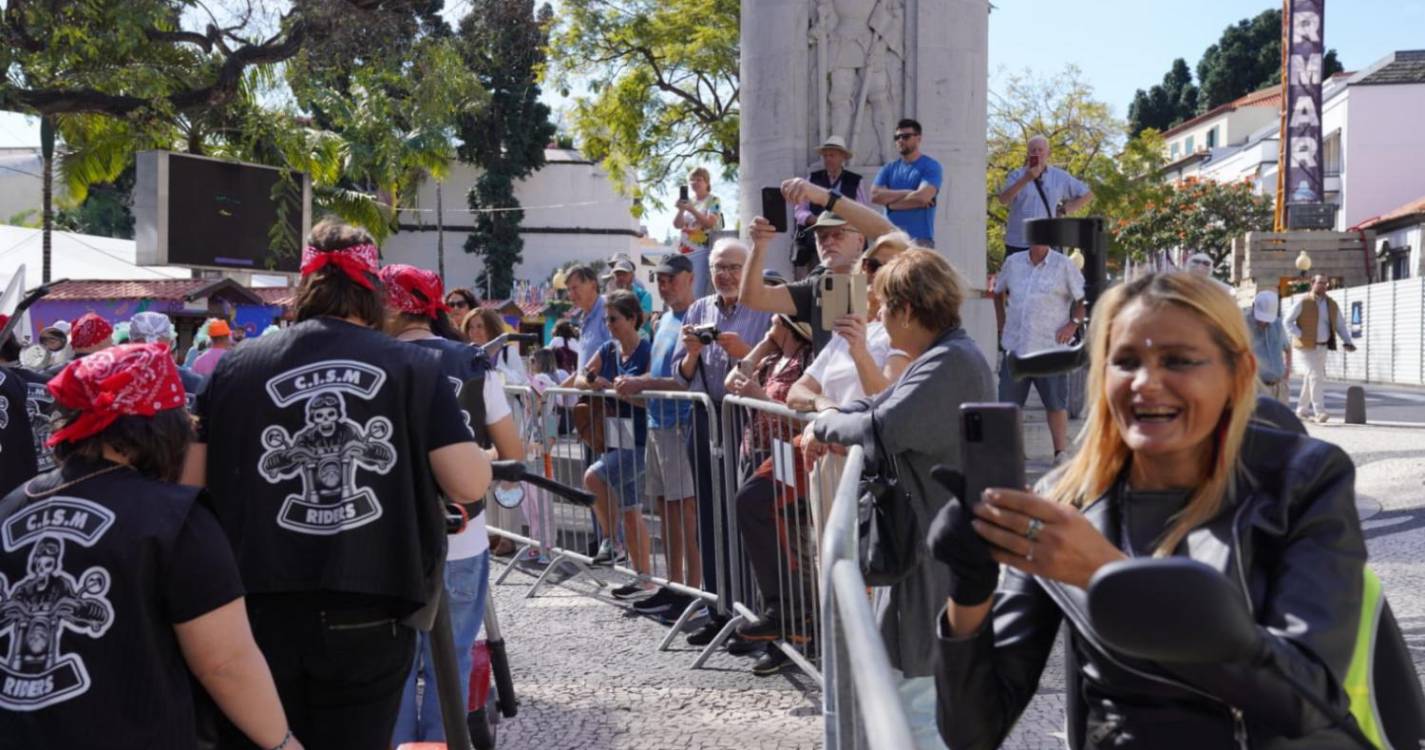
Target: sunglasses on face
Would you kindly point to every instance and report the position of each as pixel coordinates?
(457, 303)
(905, 136)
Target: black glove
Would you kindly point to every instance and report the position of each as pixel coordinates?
(953, 541)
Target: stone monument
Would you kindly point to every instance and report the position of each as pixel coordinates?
(816, 68)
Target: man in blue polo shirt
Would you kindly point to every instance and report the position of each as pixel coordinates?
(907, 186)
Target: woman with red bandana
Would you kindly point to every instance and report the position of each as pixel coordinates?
(416, 314)
(113, 578)
(326, 446)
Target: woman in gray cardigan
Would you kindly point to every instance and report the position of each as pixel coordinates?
(920, 305)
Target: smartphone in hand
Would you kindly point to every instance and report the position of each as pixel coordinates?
(991, 448)
(841, 294)
(682, 192)
(774, 208)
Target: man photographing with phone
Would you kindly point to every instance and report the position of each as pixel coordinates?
(840, 230)
(1037, 190)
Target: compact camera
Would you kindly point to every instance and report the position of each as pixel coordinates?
(706, 334)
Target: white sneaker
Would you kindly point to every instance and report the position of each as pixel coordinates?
(1303, 414)
(1060, 457)
(1322, 418)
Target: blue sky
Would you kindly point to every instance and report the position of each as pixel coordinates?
(1120, 45)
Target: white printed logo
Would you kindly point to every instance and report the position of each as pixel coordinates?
(39, 608)
(38, 404)
(326, 453)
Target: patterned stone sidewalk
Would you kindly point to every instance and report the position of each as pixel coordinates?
(590, 677)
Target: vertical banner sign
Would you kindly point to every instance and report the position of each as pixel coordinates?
(1303, 60)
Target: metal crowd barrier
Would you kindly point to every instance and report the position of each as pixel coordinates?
(567, 537)
(860, 703)
(774, 550)
(783, 535)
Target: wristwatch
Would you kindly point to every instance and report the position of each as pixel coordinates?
(831, 202)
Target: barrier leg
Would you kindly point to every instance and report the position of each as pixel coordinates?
(447, 678)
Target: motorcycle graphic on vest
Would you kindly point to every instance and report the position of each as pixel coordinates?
(38, 405)
(326, 453)
(39, 608)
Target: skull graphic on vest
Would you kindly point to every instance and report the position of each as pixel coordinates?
(329, 449)
(37, 610)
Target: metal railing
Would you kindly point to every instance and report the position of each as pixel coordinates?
(828, 628)
(773, 545)
(860, 703)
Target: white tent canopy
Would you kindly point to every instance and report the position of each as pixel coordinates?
(74, 256)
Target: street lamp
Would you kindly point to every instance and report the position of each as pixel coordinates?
(558, 281)
(1303, 263)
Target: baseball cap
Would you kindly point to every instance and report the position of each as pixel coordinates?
(1264, 307)
(673, 263)
(621, 264)
(219, 327)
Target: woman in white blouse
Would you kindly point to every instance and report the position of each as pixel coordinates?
(858, 361)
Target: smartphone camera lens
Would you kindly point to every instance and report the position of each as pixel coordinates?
(974, 428)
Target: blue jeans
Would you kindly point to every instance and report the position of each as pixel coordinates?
(466, 582)
(702, 275)
(917, 696)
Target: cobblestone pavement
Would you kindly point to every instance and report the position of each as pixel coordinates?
(590, 677)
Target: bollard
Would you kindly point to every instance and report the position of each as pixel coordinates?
(1355, 405)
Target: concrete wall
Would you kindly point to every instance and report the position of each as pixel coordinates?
(1261, 258)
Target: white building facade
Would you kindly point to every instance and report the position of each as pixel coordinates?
(571, 213)
(1373, 145)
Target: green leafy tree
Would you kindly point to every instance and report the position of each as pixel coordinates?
(1247, 57)
(1083, 137)
(1166, 104)
(118, 76)
(1196, 215)
(662, 82)
(503, 42)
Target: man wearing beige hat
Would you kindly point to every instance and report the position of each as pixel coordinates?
(834, 176)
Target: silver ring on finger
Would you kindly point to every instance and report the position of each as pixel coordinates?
(1032, 533)
(1029, 556)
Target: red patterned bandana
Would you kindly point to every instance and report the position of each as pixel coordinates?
(127, 380)
(89, 330)
(356, 262)
(413, 290)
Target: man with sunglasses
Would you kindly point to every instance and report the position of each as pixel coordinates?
(840, 230)
(907, 186)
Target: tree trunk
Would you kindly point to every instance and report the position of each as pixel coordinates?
(439, 233)
(46, 195)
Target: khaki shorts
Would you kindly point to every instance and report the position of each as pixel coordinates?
(669, 473)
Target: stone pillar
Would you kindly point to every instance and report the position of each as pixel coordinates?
(951, 80)
(772, 144)
(865, 64)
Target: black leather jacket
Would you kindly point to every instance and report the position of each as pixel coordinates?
(1292, 540)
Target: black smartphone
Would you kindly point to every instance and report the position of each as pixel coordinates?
(991, 448)
(682, 192)
(774, 208)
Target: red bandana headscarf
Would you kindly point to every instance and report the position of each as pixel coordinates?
(126, 380)
(356, 262)
(89, 330)
(413, 290)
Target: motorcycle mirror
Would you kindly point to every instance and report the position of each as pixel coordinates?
(1172, 610)
(1045, 363)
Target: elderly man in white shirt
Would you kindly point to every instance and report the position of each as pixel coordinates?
(1315, 323)
(1045, 295)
